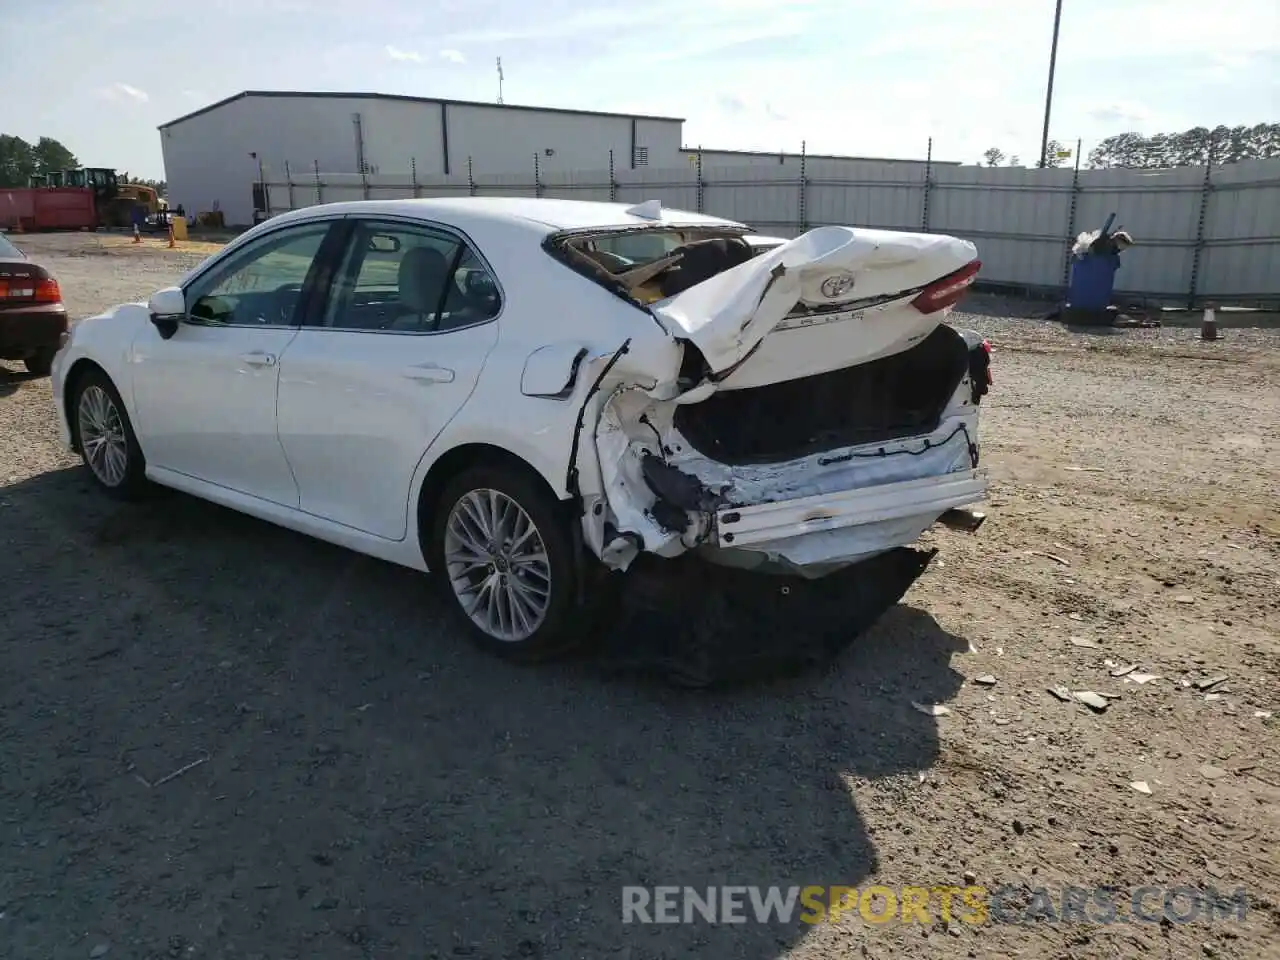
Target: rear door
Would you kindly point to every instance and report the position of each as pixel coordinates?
(368, 384)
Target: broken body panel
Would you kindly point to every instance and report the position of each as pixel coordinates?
(812, 412)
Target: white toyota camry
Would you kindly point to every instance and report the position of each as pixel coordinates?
(523, 394)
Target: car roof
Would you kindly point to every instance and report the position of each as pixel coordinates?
(552, 215)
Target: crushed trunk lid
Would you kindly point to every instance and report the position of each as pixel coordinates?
(836, 291)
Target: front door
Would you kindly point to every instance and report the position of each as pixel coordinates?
(367, 387)
(206, 397)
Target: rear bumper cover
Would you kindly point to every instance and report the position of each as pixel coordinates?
(24, 330)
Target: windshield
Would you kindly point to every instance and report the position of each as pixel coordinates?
(8, 250)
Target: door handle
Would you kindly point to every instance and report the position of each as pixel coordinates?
(429, 373)
(259, 359)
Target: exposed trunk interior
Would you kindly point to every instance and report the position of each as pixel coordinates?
(898, 396)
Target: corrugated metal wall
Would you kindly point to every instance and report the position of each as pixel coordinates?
(1202, 234)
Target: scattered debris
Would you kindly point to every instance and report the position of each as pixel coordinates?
(1051, 556)
(970, 877)
(1095, 702)
(931, 709)
(1076, 617)
(1210, 772)
(1185, 598)
(1262, 714)
(175, 775)
(1141, 786)
(1141, 677)
(1124, 671)
(1062, 693)
(1019, 827)
(986, 680)
(1210, 697)
(1208, 682)
(1085, 469)
(100, 950)
(1084, 642)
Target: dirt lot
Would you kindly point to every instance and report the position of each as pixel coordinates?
(374, 787)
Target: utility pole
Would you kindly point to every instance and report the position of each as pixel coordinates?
(499, 79)
(1048, 94)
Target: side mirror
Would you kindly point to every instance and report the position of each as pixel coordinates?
(167, 308)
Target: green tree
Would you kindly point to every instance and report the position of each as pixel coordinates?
(1052, 149)
(17, 161)
(51, 156)
(994, 156)
(1189, 148)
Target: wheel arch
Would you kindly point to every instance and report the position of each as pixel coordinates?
(74, 377)
(463, 457)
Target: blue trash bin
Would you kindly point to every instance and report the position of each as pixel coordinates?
(1093, 279)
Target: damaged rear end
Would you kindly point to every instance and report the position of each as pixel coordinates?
(817, 413)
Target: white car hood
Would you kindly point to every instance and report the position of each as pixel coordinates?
(728, 315)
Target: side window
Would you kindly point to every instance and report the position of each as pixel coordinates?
(262, 284)
(409, 279)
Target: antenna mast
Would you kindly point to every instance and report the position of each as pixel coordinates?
(499, 79)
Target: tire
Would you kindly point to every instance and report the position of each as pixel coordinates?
(96, 406)
(461, 512)
(40, 363)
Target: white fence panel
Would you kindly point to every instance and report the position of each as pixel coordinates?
(1198, 237)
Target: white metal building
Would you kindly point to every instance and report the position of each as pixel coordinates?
(212, 156)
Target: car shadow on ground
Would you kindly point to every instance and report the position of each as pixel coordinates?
(11, 379)
(222, 735)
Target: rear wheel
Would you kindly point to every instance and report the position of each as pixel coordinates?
(499, 542)
(40, 363)
(106, 439)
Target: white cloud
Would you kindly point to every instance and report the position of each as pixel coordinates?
(123, 93)
(453, 56)
(1127, 114)
(404, 56)
(197, 95)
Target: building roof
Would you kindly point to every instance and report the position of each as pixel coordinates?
(343, 95)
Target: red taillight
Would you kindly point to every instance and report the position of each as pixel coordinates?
(29, 288)
(948, 291)
(47, 291)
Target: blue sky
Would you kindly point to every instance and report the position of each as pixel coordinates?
(868, 77)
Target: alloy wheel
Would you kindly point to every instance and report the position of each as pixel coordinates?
(102, 436)
(497, 565)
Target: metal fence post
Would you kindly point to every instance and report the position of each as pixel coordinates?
(364, 180)
(288, 179)
(613, 181)
(537, 176)
(1206, 188)
(471, 180)
(928, 183)
(1071, 219)
(319, 187)
(413, 176)
(804, 187)
(702, 200)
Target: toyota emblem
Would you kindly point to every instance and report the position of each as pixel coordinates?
(833, 288)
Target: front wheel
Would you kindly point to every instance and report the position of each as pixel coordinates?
(106, 439)
(500, 544)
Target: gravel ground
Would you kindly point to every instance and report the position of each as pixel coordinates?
(371, 786)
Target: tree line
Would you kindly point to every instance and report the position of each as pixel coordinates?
(20, 161)
(1190, 148)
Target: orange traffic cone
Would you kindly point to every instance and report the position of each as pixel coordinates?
(137, 237)
(171, 243)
